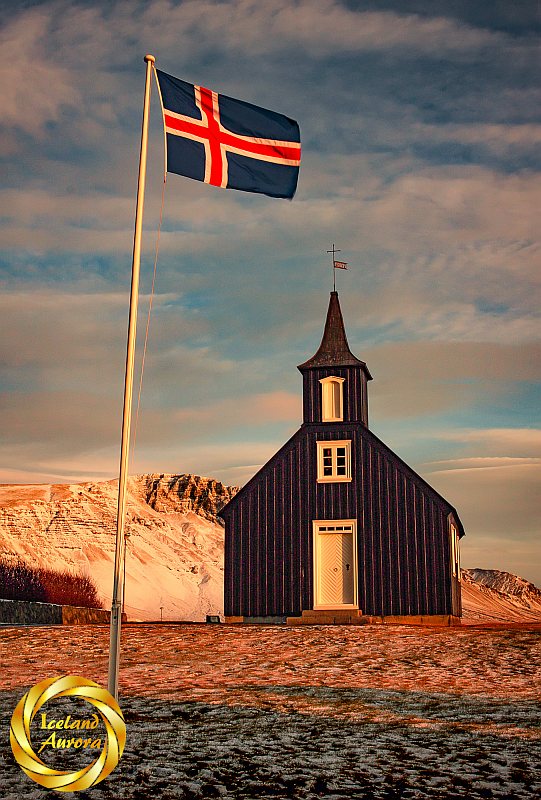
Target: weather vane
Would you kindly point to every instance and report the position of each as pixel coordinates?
(336, 265)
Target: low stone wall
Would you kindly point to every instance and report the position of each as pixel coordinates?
(22, 612)
(75, 615)
(446, 620)
(340, 617)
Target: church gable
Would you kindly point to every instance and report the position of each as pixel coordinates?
(402, 528)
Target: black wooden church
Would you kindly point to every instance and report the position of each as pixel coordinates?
(336, 527)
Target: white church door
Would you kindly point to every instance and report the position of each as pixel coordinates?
(335, 559)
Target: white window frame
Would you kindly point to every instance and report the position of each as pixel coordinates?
(333, 445)
(317, 524)
(327, 404)
(455, 552)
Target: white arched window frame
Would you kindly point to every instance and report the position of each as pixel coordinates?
(332, 399)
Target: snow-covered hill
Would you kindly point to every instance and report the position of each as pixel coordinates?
(490, 595)
(174, 565)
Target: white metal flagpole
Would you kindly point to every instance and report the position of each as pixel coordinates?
(116, 605)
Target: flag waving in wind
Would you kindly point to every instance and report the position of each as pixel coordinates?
(226, 142)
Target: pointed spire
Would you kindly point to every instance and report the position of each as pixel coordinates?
(334, 348)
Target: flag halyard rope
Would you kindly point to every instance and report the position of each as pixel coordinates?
(143, 358)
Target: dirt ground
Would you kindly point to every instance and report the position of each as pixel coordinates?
(325, 712)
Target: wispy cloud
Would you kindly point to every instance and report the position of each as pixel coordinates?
(36, 86)
(482, 462)
(498, 503)
(514, 442)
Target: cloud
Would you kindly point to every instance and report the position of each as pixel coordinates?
(502, 139)
(70, 55)
(456, 204)
(423, 378)
(36, 87)
(483, 462)
(494, 483)
(63, 334)
(63, 357)
(497, 503)
(320, 29)
(509, 442)
(272, 407)
(507, 554)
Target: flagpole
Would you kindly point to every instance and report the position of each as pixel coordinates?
(118, 583)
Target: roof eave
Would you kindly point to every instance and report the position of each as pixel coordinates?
(355, 362)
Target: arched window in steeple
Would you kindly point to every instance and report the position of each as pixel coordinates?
(332, 399)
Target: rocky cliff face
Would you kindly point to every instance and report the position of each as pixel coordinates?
(182, 493)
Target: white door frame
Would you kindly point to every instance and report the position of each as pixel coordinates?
(316, 524)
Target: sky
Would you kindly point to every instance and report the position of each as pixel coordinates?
(421, 136)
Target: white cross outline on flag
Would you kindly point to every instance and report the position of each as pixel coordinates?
(218, 140)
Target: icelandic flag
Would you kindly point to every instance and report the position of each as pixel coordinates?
(226, 142)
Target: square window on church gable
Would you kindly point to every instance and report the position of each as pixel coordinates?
(333, 461)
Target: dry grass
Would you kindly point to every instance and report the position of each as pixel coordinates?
(18, 581)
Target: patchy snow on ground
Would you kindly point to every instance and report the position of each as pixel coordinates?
(334, 712)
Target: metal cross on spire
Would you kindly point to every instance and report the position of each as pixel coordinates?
(336, 265)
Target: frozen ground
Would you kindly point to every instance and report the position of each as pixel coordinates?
(335, 712)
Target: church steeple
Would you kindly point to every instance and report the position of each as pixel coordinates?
(334, 348)
(334, 378)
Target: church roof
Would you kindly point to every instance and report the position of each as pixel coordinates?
(334, 348)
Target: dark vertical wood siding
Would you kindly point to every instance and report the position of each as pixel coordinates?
(402, 528)
(355, 393)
